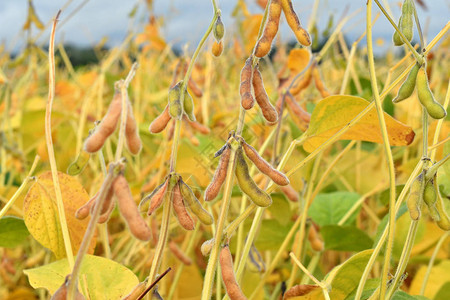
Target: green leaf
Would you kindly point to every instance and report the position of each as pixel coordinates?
(280, 209)
(345, 238)
(105, 278)
(401, 295)
(369, 288)
(328, 209)
(13, 232)
(443, 293)
(383, 197)
(384, 221)
(344, 278)
(271, 235)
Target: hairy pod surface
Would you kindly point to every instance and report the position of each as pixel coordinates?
(245, 87)
(220, 174)
(264, 44)
(434, 108)
(406, 22)
(179, 253)
(430, 199)
(262, 165)
(156, 197)
(175, 108)
(407, 87)
(444, 220)
(161, 121)
(106, 127)
(207, 246)
(246, 183)
(294, 23)
(179, 208)
(217, 48)
(134, 143)
(218, 29)
(396, 38)
(188, 104)
(226, 267)
(269, 112)
(415, 198)
(129, 210)
(299, 290)
(194, 204)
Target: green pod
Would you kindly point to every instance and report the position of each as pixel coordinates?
(430, 199)
(188, 104)
(246, 183)
(175, 108)
(406, 23)
(415, 198)
(407, 87)
(444, 222)
(219, 29)
(194, 205)
(78, 165)
(434, 108)
(396, 38)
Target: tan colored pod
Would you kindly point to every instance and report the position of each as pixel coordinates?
(106, 127)
(156, 197)
(129, 210)
(207, 246)
(161, 121)
(264, 44)
(245, 87)
(269, 112)
(229, 279)
(292, 19)
(61, 293)
(194, 204)
(217, 48)
(195, 89)
(84, 210)
(134, 143)
(107, 203)
(262, 165)
(220, 174)
(314, 240)
(179, 208)
(246, 183)
(179, 253)
(290, 193)
(320, 86)
(303, 115)
(136, 292)
(303, 83)
(105, 215)
(198, 126)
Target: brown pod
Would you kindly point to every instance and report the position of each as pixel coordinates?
(264, 44)
(262, 165)
(268, 111)
(299, 290)
(220, 174)
(106, 127)
(129, 210)
(156, 197)
(179, 208)
(314, 240)
(137, 291)
(290, 193)
(194, 88)
(320, 86)
(105, 216)
(298, 110)
(106, 203)
(134, 143)
(61, 293)
(245, 88)
(303, 83)
(292, 19)
(84, 210)
(179, 253)
(226, 267)
(161, 121)
(198, 126)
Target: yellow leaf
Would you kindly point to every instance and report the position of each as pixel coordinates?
(41, 213)
(438, 277)
(250, 28)
(298, 59)
(334, 112)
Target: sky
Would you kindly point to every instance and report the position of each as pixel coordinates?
(186, 21)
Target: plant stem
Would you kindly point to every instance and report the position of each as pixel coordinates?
(91, 229)
(387, 149)
(49, 142)
(431, 262)
(20, 189)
